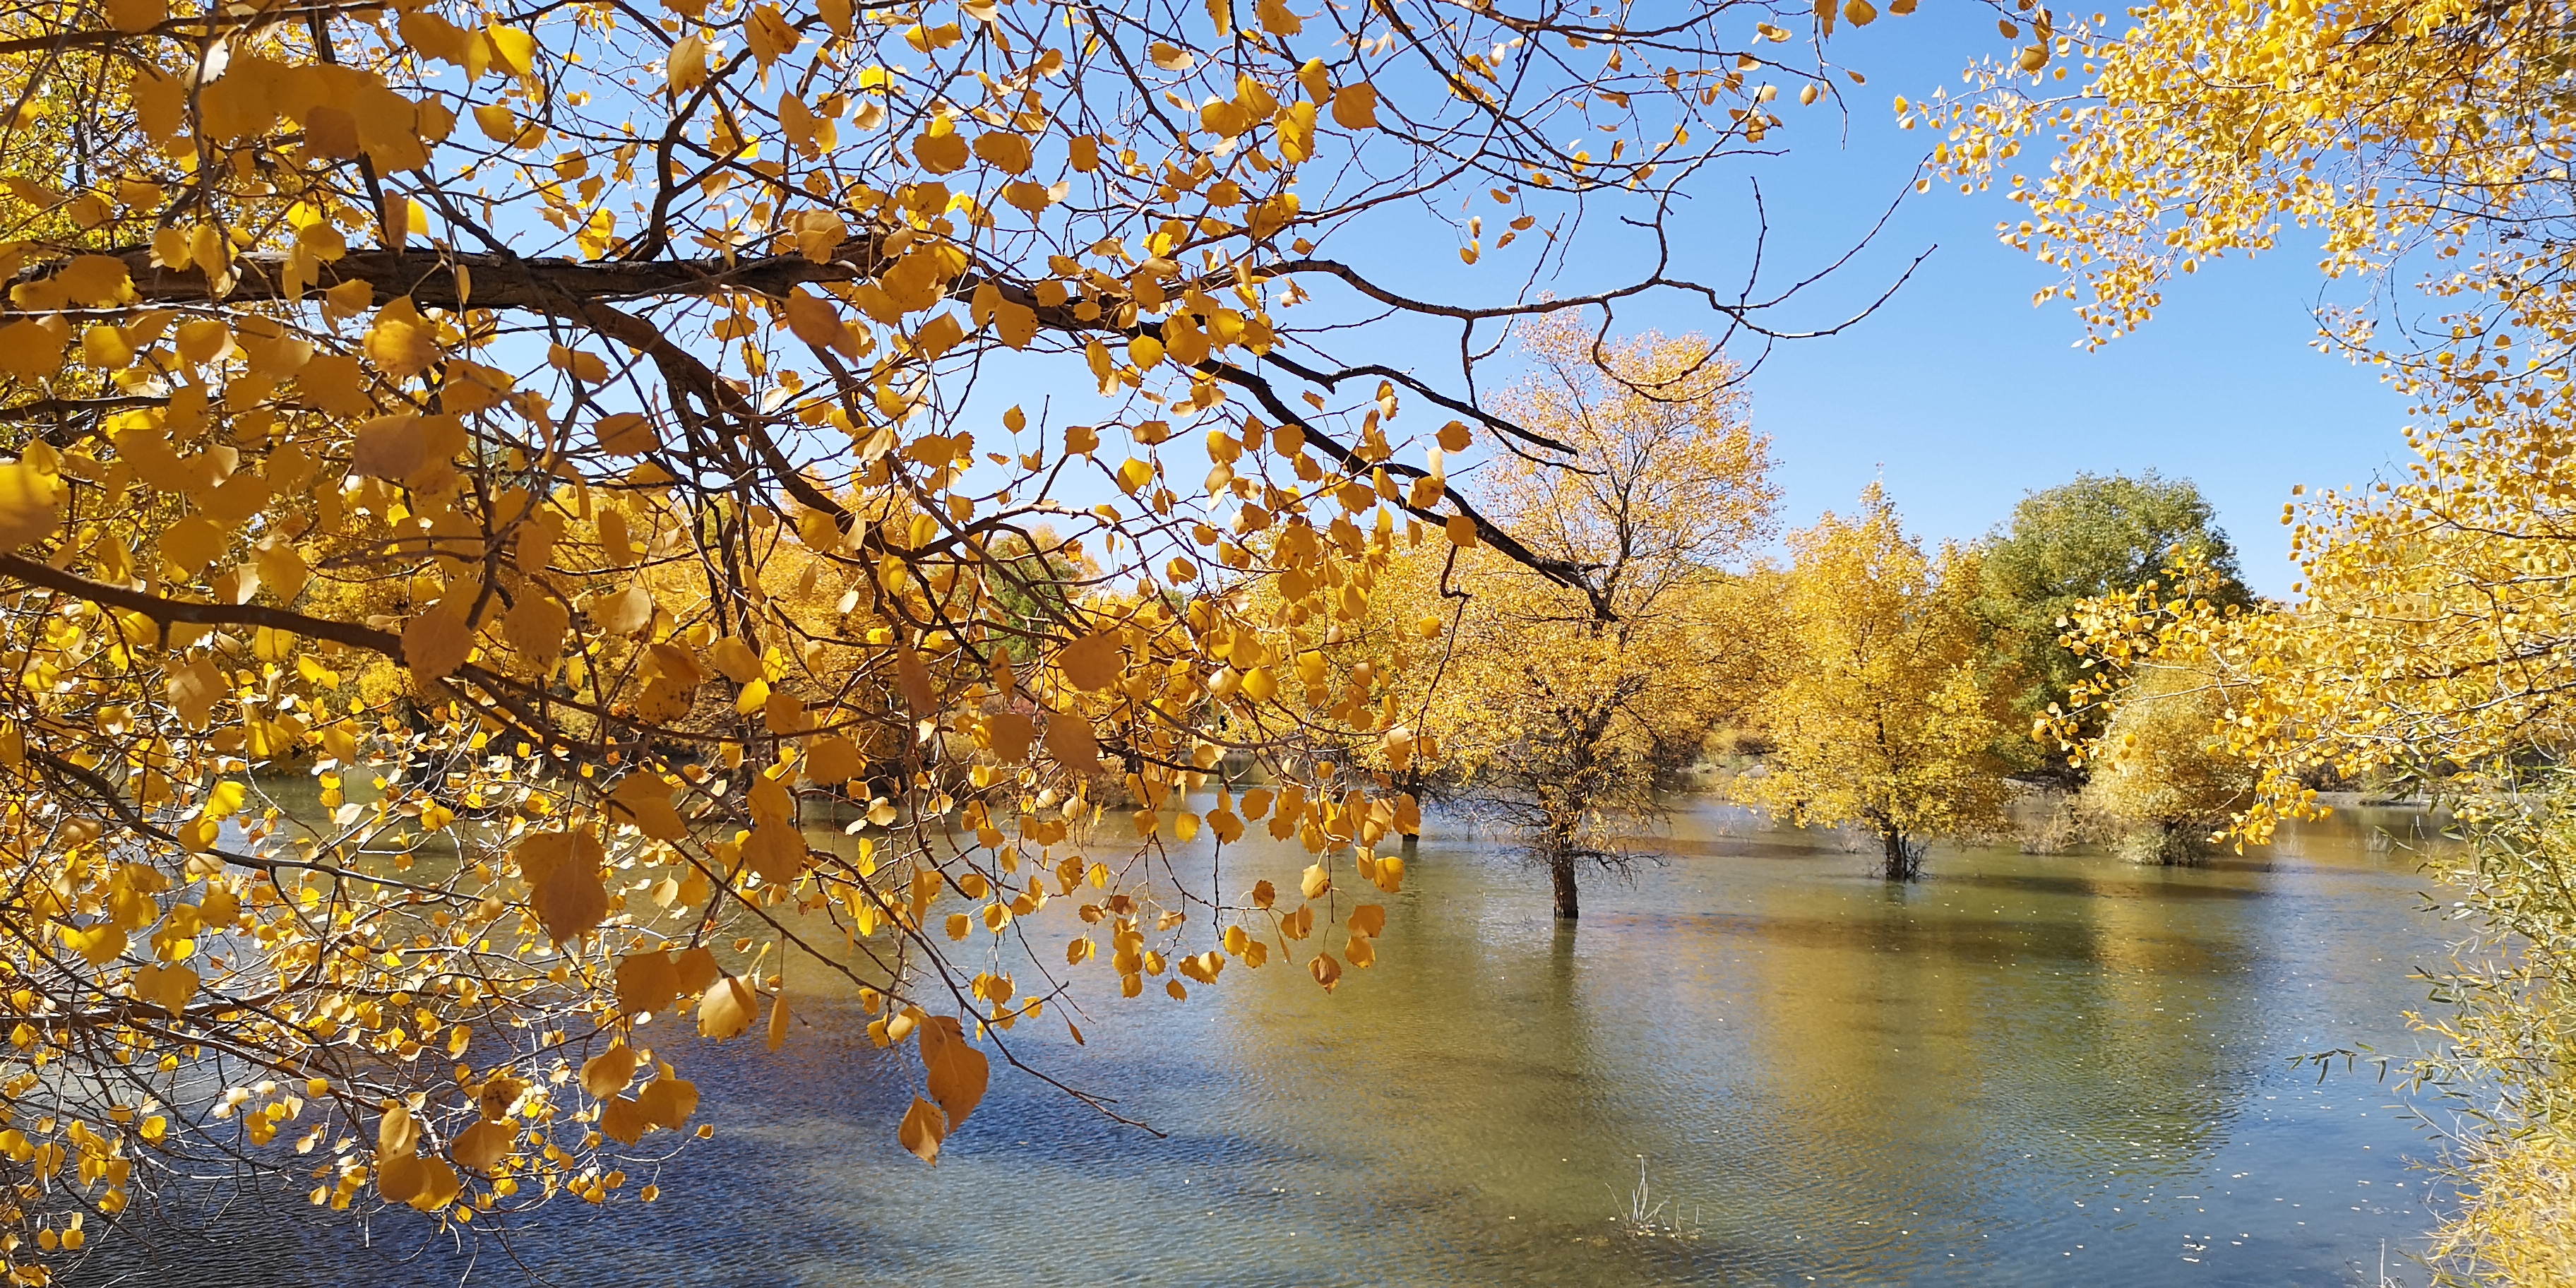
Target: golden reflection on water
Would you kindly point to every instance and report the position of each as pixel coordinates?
(2024, 1070)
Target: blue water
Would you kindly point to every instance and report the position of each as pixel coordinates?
(2025, 1069)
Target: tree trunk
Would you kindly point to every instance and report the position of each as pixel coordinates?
(1412, 844)
(1901, 863)
(1560, 873)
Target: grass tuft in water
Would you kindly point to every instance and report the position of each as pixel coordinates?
(1649, 1217)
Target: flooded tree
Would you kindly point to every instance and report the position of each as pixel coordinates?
(574, 436)
(2161, 776)
(1875, 713)
(1563, 712)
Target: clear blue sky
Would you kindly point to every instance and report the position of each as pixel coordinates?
(1959, 394)
(1962, 396)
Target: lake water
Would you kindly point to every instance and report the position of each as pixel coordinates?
(2023, 1070)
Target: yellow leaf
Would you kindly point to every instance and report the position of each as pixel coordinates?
(203, 340)
(646, 982)
(401, 342)
(778, 1020)
(644, 798)
(389, 447)
(627, 434)
(481, 1147)
(1008, 734)
(136, 16)
(812, 319)
(400, 1178)
(535, 627)
(106, 347)
(626, 612)
(226, 799)
(170, 987)
(96, 281)
(1006, 151)
(564, 886)
(922, 1130)
(768, 34)
(435, 643)
(939, 148)
(439, 1186)
(499, 1096)
(1355, 106)
(957, 1073)
(777, 852)
(497, 123)
(98, 945)
(939, 335)
(727, 1008)
(621, 1118)
(668, 1102)
(29, 350)
(31, 504)
(397, 1133)
(513, 50)
(194, 690)
(687, 67)
(1093, 662)
(1016, 323)
(833, 759)
(607, 1073)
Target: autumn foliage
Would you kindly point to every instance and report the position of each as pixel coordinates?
(1562, 707)
(1876, 710)
(2419, 149)
(565, 434)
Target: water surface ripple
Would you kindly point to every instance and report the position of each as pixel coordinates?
(2024, 1070)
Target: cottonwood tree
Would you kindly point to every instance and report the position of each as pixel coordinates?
(1561, 712)
(567, 432)
(2434, 606)
(1876, 715)
(2162, 774)
(2432, 632)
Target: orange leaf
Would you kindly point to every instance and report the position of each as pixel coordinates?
(922, 1130)
(957, 1072)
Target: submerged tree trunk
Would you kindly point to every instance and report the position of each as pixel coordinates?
(2171, 842)
(1560, 873)
(1412, 844)
(1903, 862)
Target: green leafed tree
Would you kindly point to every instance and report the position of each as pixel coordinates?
(2097, 535)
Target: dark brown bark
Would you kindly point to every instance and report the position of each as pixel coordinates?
(1903, 862)
(1560, 873)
